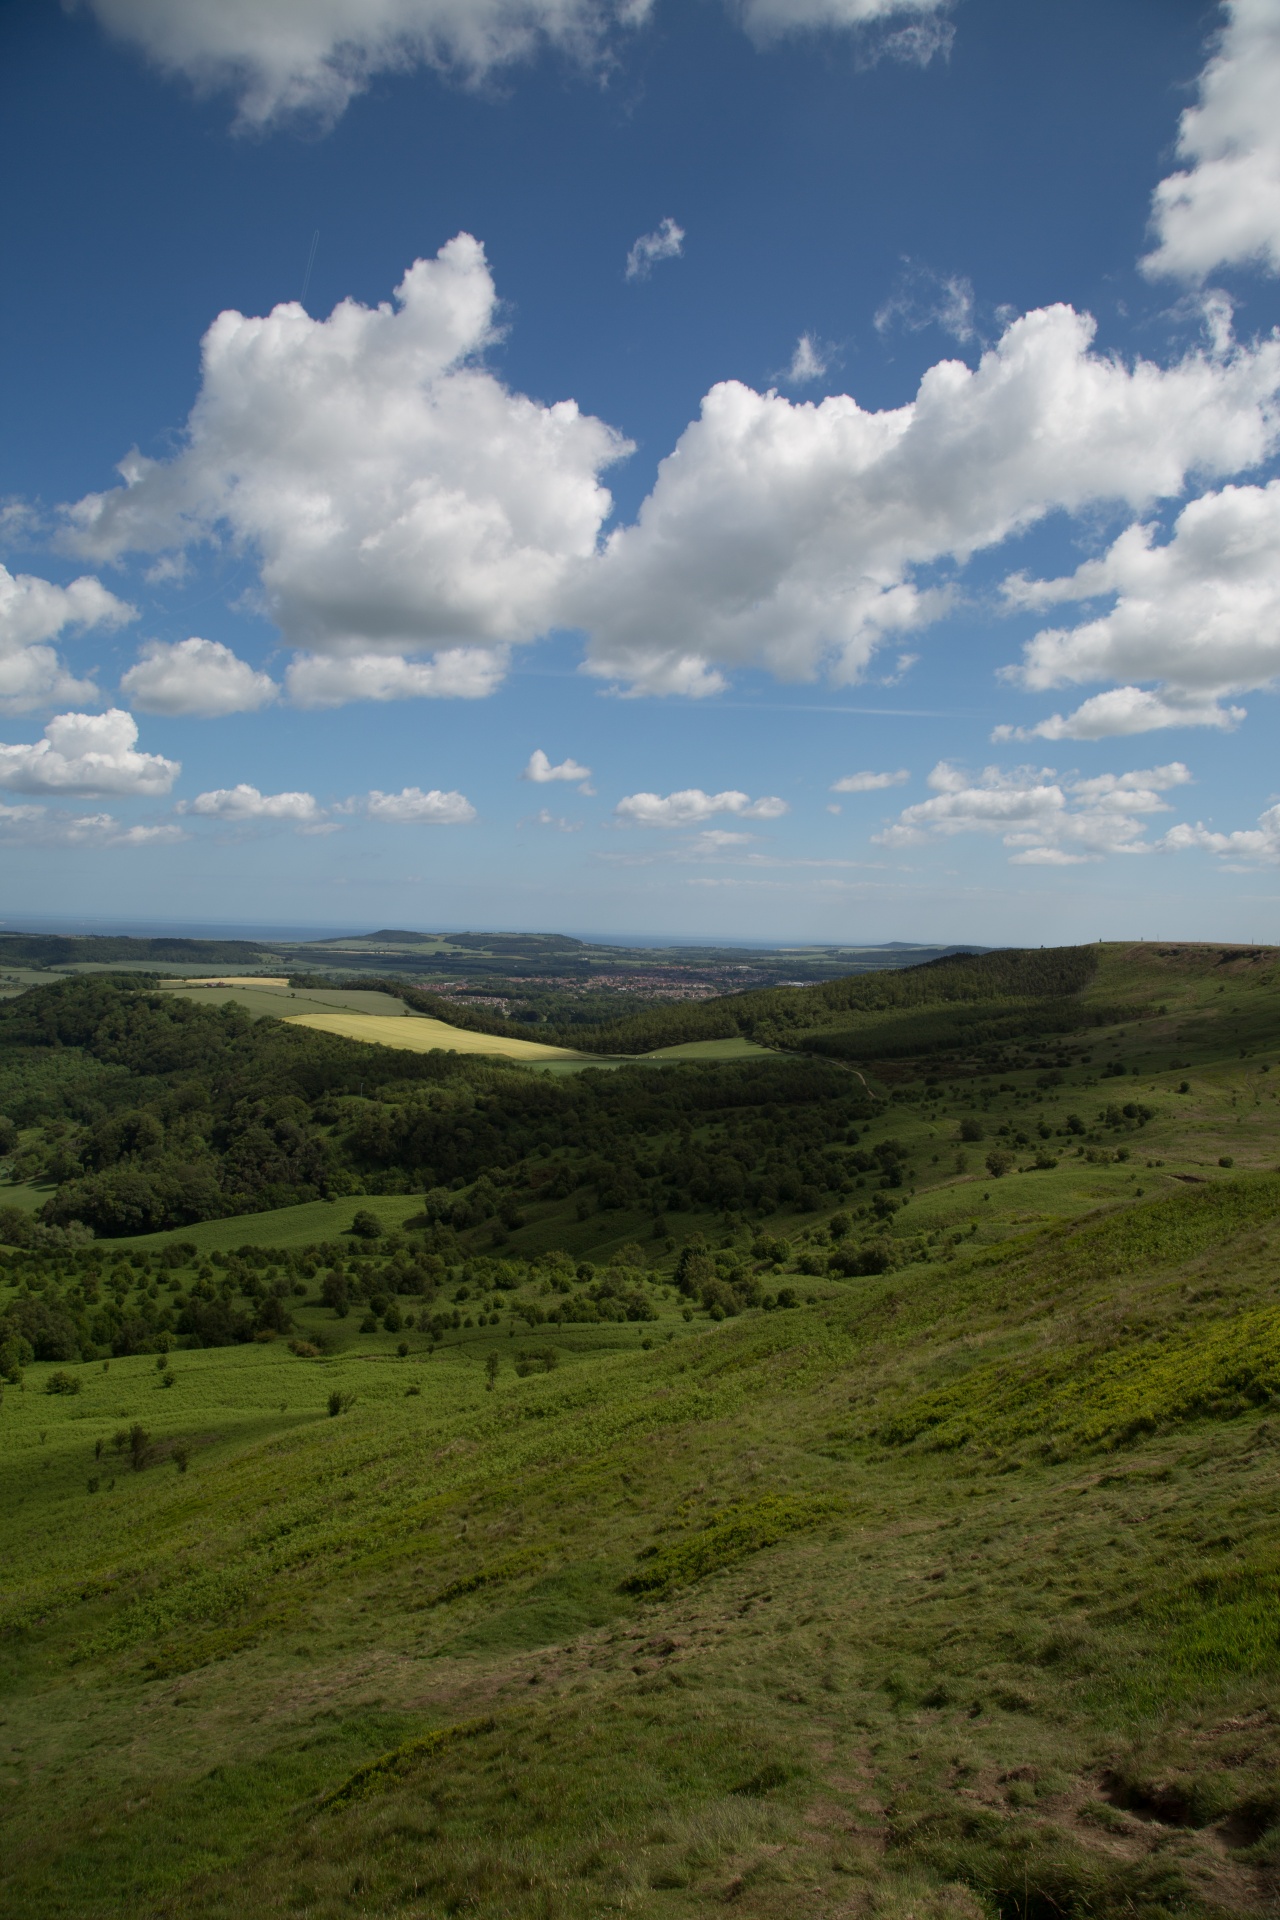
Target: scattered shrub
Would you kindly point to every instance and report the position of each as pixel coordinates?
(740, 1530)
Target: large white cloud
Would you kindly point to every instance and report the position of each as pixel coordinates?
(456, 673)
(87, 753)
(312, 56)
(400, 498)
(1199, 613)
(787, 535)
(1223, 208)
(1045, 820)
(33, 612)
(691, 806)
(243, 802)
(195, 676)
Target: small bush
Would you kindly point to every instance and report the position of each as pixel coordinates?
(733, 1535)
(537, 1360)
(1226, 1160)
(366, 1225)
(61, 1382)
(340, 1402)
(999, 1163)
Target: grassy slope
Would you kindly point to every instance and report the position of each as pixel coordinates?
(984, 1614)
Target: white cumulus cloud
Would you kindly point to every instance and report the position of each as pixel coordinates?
(691, 806)
(398, 497)
(869, 782)
(1250, 845)
(87, 753)
(455, 673)
(243, 802)
(401, 501)
(787, 535)
(195, 676)
(285, 57)
(1223, 207)
(1122, 711)
(412, 806)
(32, 613)
(666, 242)
(540, 769)
(1045, 820)
(1199, 613)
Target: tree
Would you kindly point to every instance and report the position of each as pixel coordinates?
(999, 1163)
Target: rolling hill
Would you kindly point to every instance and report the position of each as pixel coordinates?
(833, 1482)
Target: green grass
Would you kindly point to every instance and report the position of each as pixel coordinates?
(953, 1593)
(283, 1003)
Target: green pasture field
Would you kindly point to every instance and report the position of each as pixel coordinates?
(736, 1049)
(282, 1003)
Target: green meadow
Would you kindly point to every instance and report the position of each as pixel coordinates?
(888, 1533)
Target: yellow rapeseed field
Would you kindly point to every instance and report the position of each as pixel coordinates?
(421, 1034)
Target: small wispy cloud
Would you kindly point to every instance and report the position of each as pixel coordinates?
(924, 298)
(545, 818)
(869, 782)
(809, 362)
(666, 242)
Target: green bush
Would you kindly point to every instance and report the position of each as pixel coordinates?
(62, 1382)
(734, 1534)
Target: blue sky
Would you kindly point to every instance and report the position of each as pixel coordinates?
(779, 469)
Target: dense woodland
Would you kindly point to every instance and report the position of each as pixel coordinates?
(147, 1112)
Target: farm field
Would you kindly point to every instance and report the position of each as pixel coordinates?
(738, 1048)
(278, 1000)
(771, 1484)
(421, 1035)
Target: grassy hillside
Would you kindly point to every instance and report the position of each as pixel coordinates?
(815, 1488)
